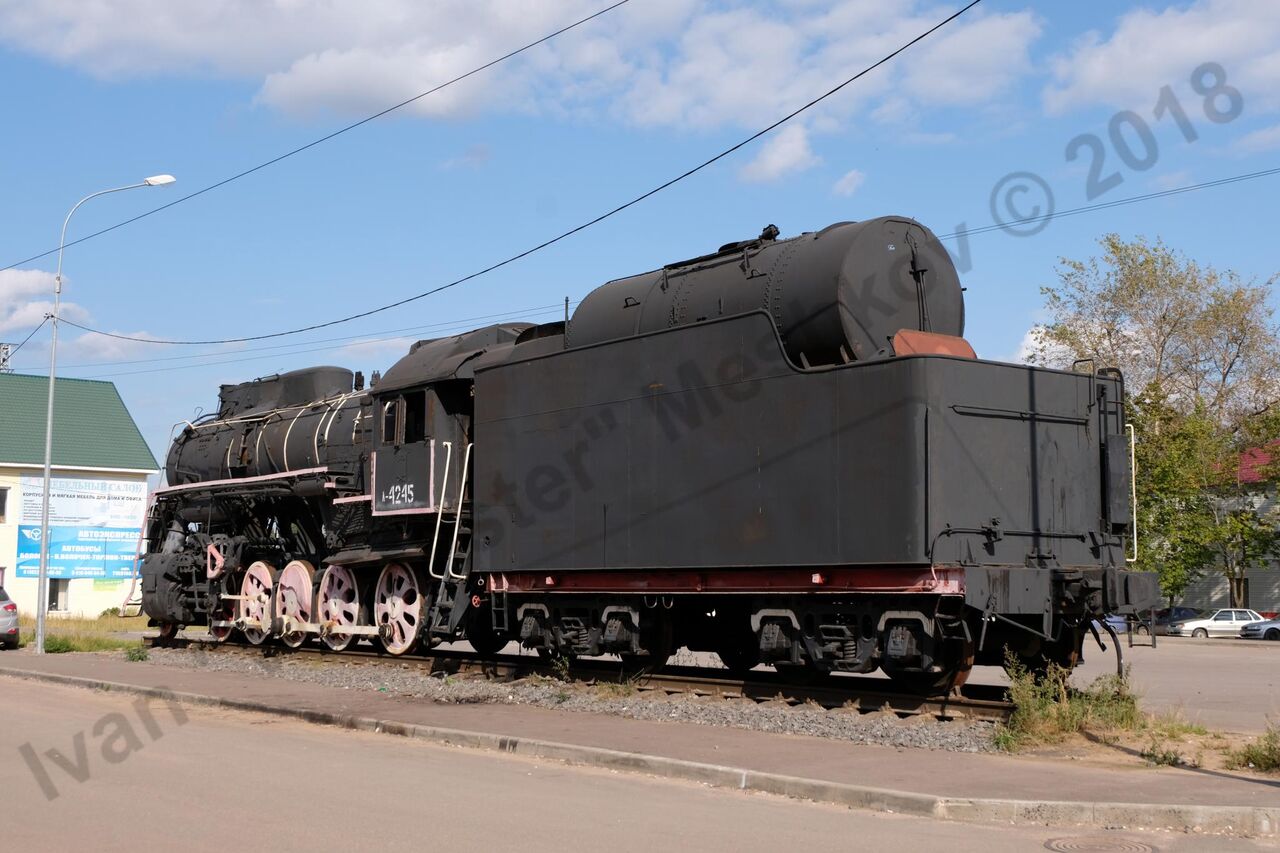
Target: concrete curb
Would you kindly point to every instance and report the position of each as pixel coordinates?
(1240, 820)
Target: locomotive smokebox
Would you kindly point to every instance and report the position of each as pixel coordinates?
(835, 295)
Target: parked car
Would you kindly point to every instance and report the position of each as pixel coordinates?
(1223, 623)
(1267, 630)
(1167, 616)
(8, 621)
(1118, 623)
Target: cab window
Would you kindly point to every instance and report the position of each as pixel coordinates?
(391, 421)
(404, 418)
(415, 416)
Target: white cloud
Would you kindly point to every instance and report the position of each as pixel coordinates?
(849, 183)
(972, 64)
(1036, 349)
(89, 348)
(1171, 180)
(26, 296)
(740, 63)
(1149, 49)
(1266, 139)
(786, 151)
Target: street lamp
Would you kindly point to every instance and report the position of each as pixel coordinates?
(42, 591)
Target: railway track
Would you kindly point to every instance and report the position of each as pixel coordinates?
(858, 693)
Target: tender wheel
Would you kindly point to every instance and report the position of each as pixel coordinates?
(1037, 655)
(1200, 633)
(295, 600)
(924, 683)
(339, 606)
(739, 659)
(1143, 631)
(256, 608)
(1273, 634)
(738, 647)
(480, 634)
(397, 609)
(658, 639)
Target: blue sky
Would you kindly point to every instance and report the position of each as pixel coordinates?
(103, 94)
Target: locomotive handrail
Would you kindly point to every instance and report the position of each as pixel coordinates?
(444, 485)
(1133, 488)
(457, 519)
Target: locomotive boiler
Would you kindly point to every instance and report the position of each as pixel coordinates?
(783, 452)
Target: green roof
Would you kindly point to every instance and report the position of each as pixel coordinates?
(91, 426)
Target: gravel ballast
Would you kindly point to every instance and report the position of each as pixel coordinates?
(406, 679)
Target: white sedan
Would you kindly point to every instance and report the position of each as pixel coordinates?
(1223, 623)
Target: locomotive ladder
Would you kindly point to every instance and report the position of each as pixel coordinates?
(449, 604)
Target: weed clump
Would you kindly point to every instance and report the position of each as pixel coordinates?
(1263, 754)
(55, 644)
(1047, 709)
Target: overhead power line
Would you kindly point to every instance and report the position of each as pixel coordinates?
(514, 314)
(207, 362)
(537, 311)
(325, 138)
(14, 351)
(232, 356)
(552, 241)
(1133, 199)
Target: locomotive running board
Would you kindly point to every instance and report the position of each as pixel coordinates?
(235, 482)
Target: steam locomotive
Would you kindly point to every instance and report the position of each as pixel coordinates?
(783, 452)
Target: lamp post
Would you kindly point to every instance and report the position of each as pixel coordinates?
(42, 590)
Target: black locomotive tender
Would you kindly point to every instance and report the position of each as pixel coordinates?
(783, 452)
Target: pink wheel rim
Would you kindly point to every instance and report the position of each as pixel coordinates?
(397, 608)
(258, 585)
(294, 600)
(339, 600)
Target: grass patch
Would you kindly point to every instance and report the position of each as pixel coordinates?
(1047, 709)
(136, 654)
(84, 635)
(1262, 754)
(1161, 754)
(1175, 726)
(615, 689)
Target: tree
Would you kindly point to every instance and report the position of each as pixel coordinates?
(1201, 355)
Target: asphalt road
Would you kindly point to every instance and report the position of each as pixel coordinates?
(218, 781)
(1233, 685)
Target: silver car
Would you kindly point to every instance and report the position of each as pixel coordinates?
(1269, 630)
(1221, 623)
(8, 621)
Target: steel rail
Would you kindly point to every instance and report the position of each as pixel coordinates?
(860, 693)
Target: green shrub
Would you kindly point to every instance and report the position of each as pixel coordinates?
(1263, 754)
(1047, 709)
(136, 653)
(56, 645)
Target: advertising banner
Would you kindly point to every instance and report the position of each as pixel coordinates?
(93, 527)
(78, 502)
(78, 552)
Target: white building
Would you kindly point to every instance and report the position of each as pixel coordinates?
(100, 468)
